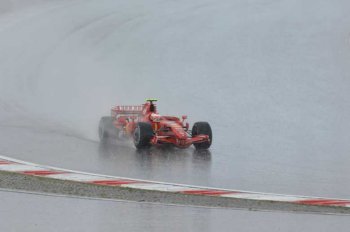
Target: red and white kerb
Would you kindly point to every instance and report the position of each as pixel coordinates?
(17, 166)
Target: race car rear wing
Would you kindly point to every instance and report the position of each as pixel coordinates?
(126, 110)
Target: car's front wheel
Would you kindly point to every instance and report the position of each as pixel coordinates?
(202, 128)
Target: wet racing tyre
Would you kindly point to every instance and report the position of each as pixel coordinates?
(202, 128)
(142, 135)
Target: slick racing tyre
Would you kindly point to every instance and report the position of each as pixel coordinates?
(142, 135)
(106, 129)
(202, 128)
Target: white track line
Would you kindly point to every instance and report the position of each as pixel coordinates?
(19, 168)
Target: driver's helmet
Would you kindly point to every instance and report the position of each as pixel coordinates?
(155, 117)
(152, 108)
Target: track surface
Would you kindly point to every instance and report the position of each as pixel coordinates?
(270, 76)
(53, 213)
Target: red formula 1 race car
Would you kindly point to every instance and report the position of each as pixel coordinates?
(146, 127)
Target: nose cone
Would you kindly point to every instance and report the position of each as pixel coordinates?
(179, 132)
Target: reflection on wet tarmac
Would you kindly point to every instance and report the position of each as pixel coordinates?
(168, 164)
(155, 157)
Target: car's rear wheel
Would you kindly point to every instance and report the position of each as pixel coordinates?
(202, 128)
(142, 135)
(106, 129)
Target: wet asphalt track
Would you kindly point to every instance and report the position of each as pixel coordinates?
(207, 168)
(52, 213)
(272, 80)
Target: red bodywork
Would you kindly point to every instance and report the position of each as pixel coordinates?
(167, 129)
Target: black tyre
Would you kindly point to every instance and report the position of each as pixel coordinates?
(143, 135)
(106, 129)
(202, 128)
